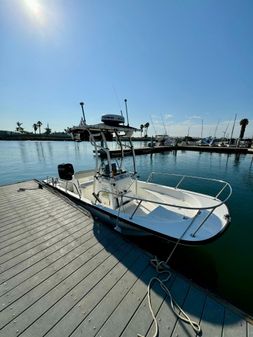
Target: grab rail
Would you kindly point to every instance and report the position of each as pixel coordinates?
(164, 203)
(183, 177)
(198, 209)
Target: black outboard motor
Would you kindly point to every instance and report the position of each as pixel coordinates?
(65, 171)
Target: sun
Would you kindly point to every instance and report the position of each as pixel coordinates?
(35, 10)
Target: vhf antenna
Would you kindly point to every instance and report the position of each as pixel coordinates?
(126, 112)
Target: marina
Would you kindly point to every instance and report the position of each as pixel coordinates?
(126, 169)
(222, 266)
(65, 274)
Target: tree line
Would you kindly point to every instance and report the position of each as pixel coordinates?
(143, 127)
(36, 126)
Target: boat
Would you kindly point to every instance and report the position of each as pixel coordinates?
(165, 140)
(162, 140)
(113, 193)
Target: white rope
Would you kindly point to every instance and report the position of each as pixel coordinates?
(162, 268)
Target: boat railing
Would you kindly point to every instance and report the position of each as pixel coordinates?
(198, 209)
(181, 178)
(140, 200)
(54, 181)
(136, 198)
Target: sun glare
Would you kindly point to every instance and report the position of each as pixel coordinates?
(36, 11)
(41, 17)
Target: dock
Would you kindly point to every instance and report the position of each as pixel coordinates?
(64, 274)
(161, 149)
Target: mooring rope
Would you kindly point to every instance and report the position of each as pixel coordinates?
(163, 268)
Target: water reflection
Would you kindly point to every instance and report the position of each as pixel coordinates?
(77, 150)
(40, 151)
(23, 152)
(237, 159)
(50, 150)
(250, 166)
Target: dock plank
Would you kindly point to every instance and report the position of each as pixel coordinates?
(234, 325)
(24, 253)
(77, 304)
(61, 274)
(142, 319)
(55, 282)
(41, 260)
(213, 318)
(33, 239)
(30, 222)
(51, 292)
(193, 307)
(15, 265)
(165, 315)
(113, 316)
(249, 330)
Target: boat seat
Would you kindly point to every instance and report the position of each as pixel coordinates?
(165, 214)
(85, 183)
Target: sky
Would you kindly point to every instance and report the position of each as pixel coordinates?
(179, 63)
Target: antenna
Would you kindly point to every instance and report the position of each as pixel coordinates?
(126, 112)
(82, 104)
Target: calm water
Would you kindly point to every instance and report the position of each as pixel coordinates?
(224, 265)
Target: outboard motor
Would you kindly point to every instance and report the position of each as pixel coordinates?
(65, 171)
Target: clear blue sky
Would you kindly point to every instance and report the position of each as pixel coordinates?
(177, 62)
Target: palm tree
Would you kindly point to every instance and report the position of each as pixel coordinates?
(35, 127)
(39, 123)
(146, 126)
(244, 122)
(19, 127)
(141, 127)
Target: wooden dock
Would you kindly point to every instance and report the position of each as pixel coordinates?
(62, 274)
(161, 149)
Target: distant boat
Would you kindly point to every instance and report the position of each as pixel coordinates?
(162, 140)
(208, 141)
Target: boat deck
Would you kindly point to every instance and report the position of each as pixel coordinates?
(62, 274)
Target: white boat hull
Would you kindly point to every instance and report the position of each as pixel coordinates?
(157, 217)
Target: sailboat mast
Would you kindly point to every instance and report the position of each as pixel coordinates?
(216, 129)
(165, 130)
(152, 124)
(232, 130)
